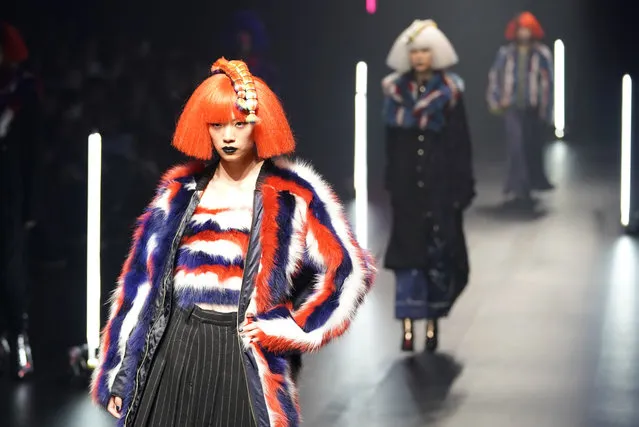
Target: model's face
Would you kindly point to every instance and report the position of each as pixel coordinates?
(233, 141)
(421, 60)
(523, 35)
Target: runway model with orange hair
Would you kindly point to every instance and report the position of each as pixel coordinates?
(242, 262)
(520, 87)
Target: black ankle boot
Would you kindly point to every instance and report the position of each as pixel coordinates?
(407, 341)
(431, 335)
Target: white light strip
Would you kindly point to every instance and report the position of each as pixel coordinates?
(559, 90)
(361, 156)
(626, 148)
(93, 244)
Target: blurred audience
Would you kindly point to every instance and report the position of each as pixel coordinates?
(131, 90)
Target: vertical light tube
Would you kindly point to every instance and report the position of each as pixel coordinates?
(361, 156)
(93, 245)
(371, 6)
(559, 90)
(626, 148)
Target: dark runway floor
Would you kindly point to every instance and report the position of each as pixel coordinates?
(545, 334)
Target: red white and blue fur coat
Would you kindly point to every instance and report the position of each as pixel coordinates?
(305, 276)
(538, 92)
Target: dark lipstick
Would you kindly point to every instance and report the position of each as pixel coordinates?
(229, 150)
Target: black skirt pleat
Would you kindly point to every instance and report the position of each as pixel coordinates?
(197, 378)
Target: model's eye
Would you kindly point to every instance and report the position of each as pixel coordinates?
(240, 124)
(216, 125)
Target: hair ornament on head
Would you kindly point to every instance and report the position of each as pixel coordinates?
(419, 28)
(243, 84)
(421, 34)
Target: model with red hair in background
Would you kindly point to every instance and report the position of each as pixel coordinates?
(520, 87)
(241, 263)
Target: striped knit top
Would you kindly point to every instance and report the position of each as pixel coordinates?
(210, 260)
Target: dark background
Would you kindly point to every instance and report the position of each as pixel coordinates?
(316, 45)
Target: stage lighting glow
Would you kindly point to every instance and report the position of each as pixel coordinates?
(371, 6)
(626, 148)
(360, 167)
(559, 90)
(618, 317)
(93, 245)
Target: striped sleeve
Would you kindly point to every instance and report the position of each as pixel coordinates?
(392, 99)
(126, 301)
(129, 300)
(340, 271)
(546, 104)
(493, 93)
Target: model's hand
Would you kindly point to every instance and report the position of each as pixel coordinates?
(250, 329)
(115, 406)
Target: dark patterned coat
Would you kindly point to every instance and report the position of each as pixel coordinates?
(430, 179)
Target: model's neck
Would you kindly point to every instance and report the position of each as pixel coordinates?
(238, 172)
(423, 76)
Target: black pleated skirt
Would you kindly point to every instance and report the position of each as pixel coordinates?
(197, 378)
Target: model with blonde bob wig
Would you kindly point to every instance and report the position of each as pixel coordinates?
(242, 262)
(429, 177)
(422, 34)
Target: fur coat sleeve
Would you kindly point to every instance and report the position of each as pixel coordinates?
(330, 280)
(126, 305)
(494, 91)
(130, 311)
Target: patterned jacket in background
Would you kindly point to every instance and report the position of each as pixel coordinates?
(502, 80)
(408, 107)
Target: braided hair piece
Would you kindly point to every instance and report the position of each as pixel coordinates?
(243, 84)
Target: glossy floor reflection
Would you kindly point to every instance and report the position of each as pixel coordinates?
(545, 334)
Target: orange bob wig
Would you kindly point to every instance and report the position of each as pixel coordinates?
(527, 20)
(214, 101)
